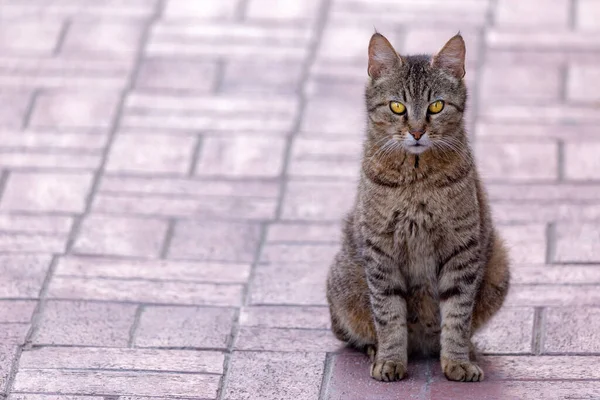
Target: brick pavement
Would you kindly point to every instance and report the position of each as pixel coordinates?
(173, 174)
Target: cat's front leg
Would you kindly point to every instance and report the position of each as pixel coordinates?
(388, 303)
(458, 281)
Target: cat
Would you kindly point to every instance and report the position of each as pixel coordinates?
(421, 266)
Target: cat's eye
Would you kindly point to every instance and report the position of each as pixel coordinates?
(397, 107)
(436, 107)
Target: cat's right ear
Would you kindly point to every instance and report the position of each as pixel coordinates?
(382, 56)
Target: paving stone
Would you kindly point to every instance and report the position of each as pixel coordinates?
(581, 161)
(184, 327)
(115, 383)
(241, 156)
(117, 359)
(32, 243)
(539, 368)
(542, 40)
(577, 243)
(66, 109)
(285, 317)
(285, 339)
(13, 107)
(581, 83)
(564, 274)
(308, 253)
(84, 324)
(532, 14)
(191, 9)
(209, 207)
(534, 130)
(120, 236)
(29, 37)
(92, 267)
(299, 283)
(553, 295)
(570, 330)
(515, 390)
(16, 311)
(48, 224)
(303, 232)
(143, 291)
(587, 14)
(22, 275)
(321, 117)
(247, 75)
(350, 380)
(509, 331)
(222, 241)
(318, 201)
(251, 376)
(102, 37)
(517, 161)
(326, 158)
(538, 212)
(180, 74)
(29, 191)
(273, 9)
(151, 154)
(507, 82)
(525, 243)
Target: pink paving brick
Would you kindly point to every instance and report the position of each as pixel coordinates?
(241, 156)
(316, 201)
(93, 37)
(167, 74)
(532, 14)
(30, 37)
(581, 161)
(120, 236)
(13, 107)
(350, 380)
(151, 154)
(273, 9)
(268, 76)
(16, 311)
(43, 192)
(587, 14)
(273, 376)
(571, 330)
(284, 339)
(225, 241)
(518, 160)
(285, 317)
(509, 331)
(83, 323)
(525, 243)
(22, 275)
(581, 83)
(297, 283)
(191, 9)
(200, 327)
(75, 109)
(507, 82)
(577, 243)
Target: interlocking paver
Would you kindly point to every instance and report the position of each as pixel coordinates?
(241, 156)
(41, 192)
(85, 324)
(272, 375)
(184, 327)
(120, 236)
(174, 175)
(151, 154)
(75, 109)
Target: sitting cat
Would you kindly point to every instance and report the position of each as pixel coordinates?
(421, 266)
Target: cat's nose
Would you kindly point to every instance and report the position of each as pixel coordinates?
(416, 134)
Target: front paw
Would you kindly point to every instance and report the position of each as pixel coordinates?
(387, 370)
(461, 370)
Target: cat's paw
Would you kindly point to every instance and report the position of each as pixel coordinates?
(387, 370)
(461, 370)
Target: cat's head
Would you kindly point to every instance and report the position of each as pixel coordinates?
(416, 103)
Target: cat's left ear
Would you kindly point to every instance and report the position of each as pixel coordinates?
(452, 57)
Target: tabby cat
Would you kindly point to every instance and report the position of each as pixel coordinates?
(421, 267)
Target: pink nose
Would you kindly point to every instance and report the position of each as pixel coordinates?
(416, 134)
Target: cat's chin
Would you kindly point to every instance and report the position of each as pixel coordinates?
(416, 149)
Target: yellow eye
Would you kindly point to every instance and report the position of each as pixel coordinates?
(397, 108)
(436, 107)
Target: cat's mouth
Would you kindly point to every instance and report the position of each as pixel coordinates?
(416, 148)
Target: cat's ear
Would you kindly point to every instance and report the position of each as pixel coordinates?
(452, 57)
(382, 56)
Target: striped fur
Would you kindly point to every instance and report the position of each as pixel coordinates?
(421, 266)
